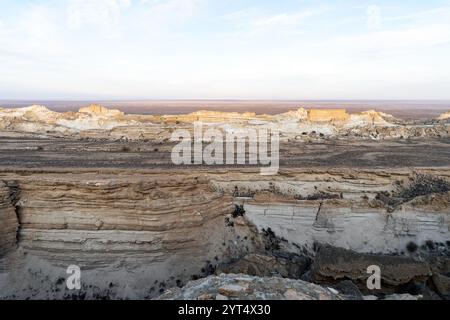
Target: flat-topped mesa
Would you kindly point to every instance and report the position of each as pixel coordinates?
(328, 115)
(95, 109)
(211, 116)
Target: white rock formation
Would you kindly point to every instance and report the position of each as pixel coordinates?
(97, 121)
(444, 116)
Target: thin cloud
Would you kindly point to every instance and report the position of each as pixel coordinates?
(99, 13)
(253, 21)
(284, 19)
(430, 14)
(374, 18)
(398, 39)
(187, 48)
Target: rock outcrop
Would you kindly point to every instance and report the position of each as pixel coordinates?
(96, 109)
(172, 224)
(183, 225)
(336, 264)
(442, 285)
(99, 220)
(244, 287)
(328, 115)
(96, 121)
(444, 116)
(8, 220)
(340, 208)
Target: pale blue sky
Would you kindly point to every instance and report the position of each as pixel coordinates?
(224, 49)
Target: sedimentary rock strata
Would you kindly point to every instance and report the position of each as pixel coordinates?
(8, 220)
(183, 225)
(324, 115)
(95, 221)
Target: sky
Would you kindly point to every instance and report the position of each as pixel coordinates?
(224, 49)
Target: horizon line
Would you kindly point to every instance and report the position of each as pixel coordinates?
(218, 100)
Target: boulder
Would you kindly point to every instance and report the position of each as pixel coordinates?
(442, 285)
(349, 290)
(244, 287)
(336, 264)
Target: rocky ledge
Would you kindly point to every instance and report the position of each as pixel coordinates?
(244, 287)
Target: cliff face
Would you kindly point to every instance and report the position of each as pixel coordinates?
(166, 228)
(96, 109)
(99, 220)
(149, 214)
(147, 227)
(356, 226)
(8, 221)
(328, 115)
(342, 208)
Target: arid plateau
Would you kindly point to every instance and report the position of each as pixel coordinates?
(97, 189)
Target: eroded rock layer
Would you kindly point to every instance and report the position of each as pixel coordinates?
(152, 204)
(153, 230)
(8, 220)
(97, 220)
